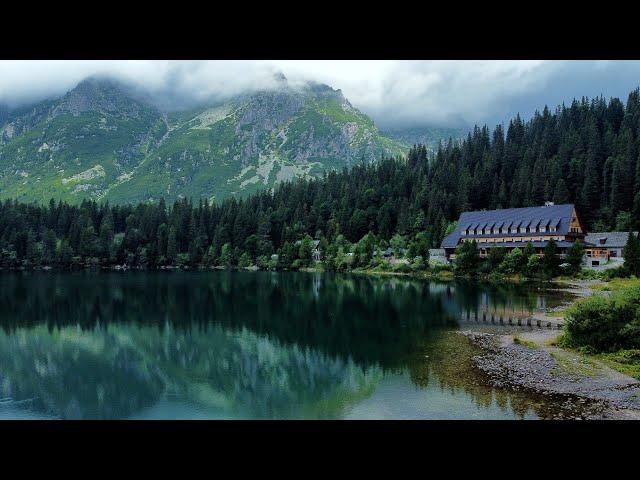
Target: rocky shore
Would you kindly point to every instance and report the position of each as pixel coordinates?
(524, 360)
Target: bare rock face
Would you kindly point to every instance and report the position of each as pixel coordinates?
(98, 95)
(250, 142)
(266, 110)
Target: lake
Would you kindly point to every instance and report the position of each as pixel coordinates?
(251, 345)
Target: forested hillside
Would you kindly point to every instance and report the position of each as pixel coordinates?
(586, 153)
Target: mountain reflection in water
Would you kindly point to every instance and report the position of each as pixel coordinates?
(245, 345)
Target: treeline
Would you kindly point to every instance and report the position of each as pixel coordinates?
(353, 213)
(586, 154)
(256, 231)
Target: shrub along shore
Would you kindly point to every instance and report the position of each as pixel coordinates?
(607, 325)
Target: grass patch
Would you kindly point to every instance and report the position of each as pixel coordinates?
(623, 361)
(557, 313)
(525, 343)
(555, 341)
(616, 284)
(574, 363)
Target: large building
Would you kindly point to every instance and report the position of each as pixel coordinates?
(514, 227)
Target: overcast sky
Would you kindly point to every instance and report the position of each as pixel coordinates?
(393, 93)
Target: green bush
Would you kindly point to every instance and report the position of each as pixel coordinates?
(402, 268)
(514, 262)
(533, 265)
(382, 267)
(418, 264)
(618, 272)
(590, 274)
(606, 324)
(467, 258)
(244, 261)
(491, 264)
(440, 267)
(262, 262)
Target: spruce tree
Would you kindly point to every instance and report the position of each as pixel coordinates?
(467, 258)
(551, 261)
(561, 193)
(631, 255)
(575, 254)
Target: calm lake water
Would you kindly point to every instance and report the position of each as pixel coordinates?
(221, 345)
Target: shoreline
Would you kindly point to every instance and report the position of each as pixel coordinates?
(529, 359)
(427, 274)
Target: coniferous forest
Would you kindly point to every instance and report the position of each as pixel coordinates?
(585, 153)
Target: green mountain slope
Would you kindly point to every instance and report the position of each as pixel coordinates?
(100, 141)
(428, 136)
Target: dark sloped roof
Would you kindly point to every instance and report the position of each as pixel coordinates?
(612, 239)
(559, 214)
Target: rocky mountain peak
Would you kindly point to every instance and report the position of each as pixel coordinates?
(101, 94)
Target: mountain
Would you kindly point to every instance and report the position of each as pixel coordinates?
(104, 141)
(428, 136)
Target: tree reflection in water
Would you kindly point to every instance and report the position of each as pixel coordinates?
(115, 371)
(258, 345)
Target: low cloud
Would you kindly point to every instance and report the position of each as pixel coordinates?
(393, 93)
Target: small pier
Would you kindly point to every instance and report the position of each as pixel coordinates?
(510, 319)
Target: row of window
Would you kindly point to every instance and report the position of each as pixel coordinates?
(513, 239)
(495, 231)
(600, 253)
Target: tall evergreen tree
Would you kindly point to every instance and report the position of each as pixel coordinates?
(551, 261)
(631, 255)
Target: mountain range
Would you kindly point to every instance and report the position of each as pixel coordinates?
(104, 141)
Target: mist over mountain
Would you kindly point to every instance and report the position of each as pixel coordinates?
(395, 94)
(109, 140)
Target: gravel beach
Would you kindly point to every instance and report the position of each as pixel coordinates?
(589, 388)
(524, 358)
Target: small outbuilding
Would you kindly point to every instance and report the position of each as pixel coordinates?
(605, 247)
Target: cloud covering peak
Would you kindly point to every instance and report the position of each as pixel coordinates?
(393, 93)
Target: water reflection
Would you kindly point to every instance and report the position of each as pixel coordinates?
(238, 345)
(116, 371)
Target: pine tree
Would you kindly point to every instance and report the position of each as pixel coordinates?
(49, 248)
(551, 261)
(172, 247)
(561, 193)
(467, 258)
(631, 255)
(575, 254)
(65, 254)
